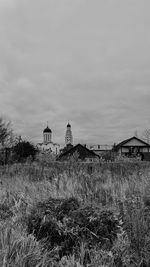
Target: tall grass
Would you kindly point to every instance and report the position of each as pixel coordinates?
(124, 188)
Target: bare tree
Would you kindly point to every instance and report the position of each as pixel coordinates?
(146, 136)
(6, 133)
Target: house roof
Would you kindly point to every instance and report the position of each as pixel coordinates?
(129, 139)
(82, 150)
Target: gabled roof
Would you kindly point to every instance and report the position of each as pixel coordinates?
(83, 152)
(129, 139)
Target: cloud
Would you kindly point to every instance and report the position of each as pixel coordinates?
(6, 2)
(83, 61)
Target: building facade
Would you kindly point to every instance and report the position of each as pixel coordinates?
(47, 145)
(132, 147)
(100, 149)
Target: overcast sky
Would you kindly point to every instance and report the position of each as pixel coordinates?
(86, 61)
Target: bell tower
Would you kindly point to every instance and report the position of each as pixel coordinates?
(68, 136)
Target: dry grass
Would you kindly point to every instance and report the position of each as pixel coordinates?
(123, 188)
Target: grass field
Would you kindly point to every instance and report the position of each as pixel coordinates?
(120, 188)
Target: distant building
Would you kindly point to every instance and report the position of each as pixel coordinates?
(100, 149)
(133, 146)
(68, 136)
(68, 139)
(83, 153)
(47, 135)
(47, 145)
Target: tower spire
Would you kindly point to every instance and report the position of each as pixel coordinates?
(68, 136)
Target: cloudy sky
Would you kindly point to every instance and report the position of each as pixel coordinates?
(86, 61)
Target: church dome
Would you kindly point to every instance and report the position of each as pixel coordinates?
(68, 125)
(47, 130)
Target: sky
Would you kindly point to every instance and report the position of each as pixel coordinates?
(82, 61)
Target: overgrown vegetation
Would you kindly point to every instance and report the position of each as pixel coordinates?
(64, 224)
(23, 150)
(75, 214)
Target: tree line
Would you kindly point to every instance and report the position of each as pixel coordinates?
(12, 147)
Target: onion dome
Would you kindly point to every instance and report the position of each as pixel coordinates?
(47, 130)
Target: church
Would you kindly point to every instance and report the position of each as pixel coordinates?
(47, 145)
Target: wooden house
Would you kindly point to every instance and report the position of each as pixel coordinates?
(83, 153)
(132, 147)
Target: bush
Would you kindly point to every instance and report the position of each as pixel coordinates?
(63, 225)
(24, 150)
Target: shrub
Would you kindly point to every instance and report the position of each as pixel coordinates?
(24, 150)
(63, 225)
